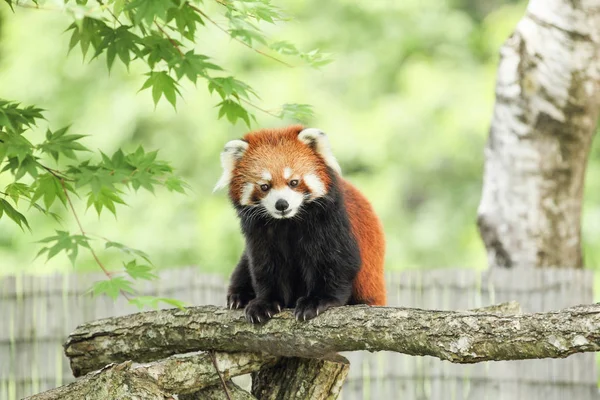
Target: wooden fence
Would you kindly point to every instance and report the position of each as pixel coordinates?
(37, 314)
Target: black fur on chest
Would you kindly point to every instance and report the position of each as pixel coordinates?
(314, 254)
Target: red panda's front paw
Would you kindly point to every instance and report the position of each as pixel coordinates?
(238, 300)
(309, 307)
(259, 311)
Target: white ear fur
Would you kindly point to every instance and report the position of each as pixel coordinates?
(233, 151)
(318, 140)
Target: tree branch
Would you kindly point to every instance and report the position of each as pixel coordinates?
(459, 337)
(178, 374)
(116, 381)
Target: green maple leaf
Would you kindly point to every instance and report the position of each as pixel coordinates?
(162, 85)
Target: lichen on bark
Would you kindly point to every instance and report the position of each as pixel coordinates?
(181, 374)
(460, 337)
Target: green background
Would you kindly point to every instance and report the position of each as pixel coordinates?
(406, 103)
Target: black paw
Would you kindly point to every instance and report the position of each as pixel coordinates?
(309, 307)
(259, 311)
(238, 300)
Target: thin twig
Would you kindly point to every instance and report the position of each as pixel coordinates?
(236, 39)
(229, 6)
(173, 42)
(214, 361)
(104, 269)
(64, 187)
(57, 174)
(99, 237)
(110, 11)
(259, 108)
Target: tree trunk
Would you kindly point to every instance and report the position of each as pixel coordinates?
(547, 104)
(216, 392)
(301, 378)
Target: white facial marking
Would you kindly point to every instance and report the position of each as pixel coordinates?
(316, 185)
(318, 139)
(246, 194)
(266, 176)
(293, 198)
(287, 173)
(233, 151)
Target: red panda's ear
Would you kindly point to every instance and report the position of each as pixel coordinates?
(318, 141)
(233, 151)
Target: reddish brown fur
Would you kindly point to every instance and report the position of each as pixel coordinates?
(273, 150)
(369, 285)
(276, 149)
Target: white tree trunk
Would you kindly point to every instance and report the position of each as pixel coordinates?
(547, 104)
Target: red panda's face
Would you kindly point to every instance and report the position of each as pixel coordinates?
(281, 191)
(278, 171)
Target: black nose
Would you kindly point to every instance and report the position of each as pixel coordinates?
(281, 205)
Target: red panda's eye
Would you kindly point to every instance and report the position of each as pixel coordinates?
(294, 182)
(264, 187)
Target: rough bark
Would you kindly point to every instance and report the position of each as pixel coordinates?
(113, 382)
(175, 375)
(190, 372)
(547, 104)
(460, 337)
(507, 308)
(300, 379)
(216, 392)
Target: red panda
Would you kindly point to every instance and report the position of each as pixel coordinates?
(312, 240)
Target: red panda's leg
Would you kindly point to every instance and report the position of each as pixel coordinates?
(324, 295)
(308, 307)
(269, 299)
(240, 290)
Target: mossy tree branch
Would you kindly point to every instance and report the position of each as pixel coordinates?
(460, 337)
(185, 374)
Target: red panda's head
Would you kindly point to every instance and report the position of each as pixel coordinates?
(278, 169)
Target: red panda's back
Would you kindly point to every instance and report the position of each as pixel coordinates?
(369, 285)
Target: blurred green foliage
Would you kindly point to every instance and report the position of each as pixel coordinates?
(406, 103)
(140, 31)
(137, 31)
